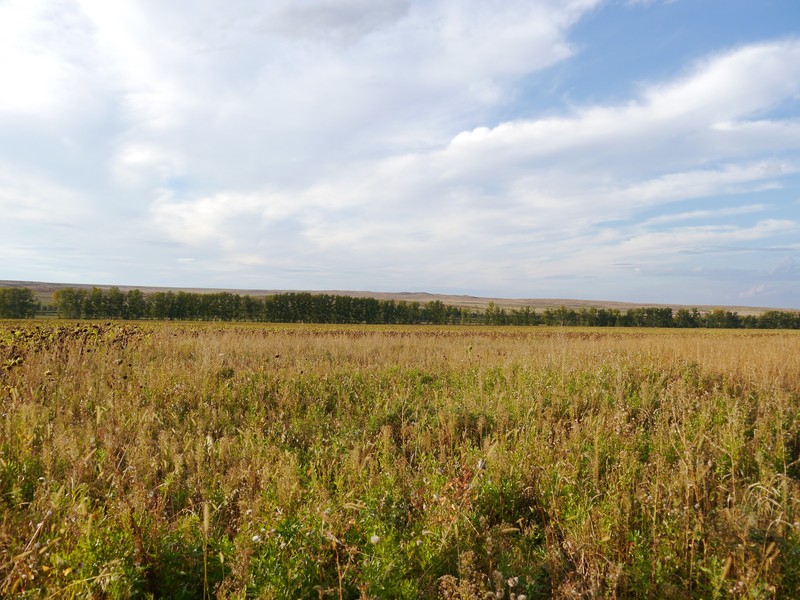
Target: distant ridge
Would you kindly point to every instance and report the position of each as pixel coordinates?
(44, 291)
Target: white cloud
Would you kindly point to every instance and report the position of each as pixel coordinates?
(143, 164)
(538, 187)
(701, 117)
(361, 139)
(729, 180)
(27, 197)
(43, 45)
(141, 64)
(184, 80)
(705, 214)
(341, 21)
(757, 291)
(746, 81)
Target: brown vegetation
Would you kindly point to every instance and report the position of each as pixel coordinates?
(235, 461)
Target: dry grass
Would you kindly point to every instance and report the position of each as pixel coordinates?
(166, 460)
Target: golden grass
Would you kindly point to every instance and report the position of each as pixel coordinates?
(175, 460)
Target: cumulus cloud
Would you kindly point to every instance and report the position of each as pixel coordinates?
(369, 143)
(534, 197)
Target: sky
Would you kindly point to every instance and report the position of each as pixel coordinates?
(632, 150)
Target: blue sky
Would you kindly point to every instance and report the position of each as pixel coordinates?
(644, 151)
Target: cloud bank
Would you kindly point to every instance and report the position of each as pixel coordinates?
(367, 145)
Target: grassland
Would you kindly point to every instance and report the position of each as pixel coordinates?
(175, 460)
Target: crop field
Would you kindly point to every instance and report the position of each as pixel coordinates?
(258, 461)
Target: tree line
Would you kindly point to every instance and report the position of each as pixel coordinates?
(306, 307)
(302, 307)
(650, 317)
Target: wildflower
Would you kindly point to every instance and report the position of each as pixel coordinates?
(374, 540)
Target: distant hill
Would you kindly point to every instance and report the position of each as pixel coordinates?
(44, 293)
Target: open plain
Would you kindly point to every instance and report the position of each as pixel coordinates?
(248, 460)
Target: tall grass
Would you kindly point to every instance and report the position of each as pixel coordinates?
(191, 461)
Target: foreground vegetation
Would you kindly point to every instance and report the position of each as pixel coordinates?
(231, 461)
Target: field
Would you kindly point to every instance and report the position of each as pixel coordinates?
(232, 461)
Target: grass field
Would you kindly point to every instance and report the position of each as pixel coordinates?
(202, 460)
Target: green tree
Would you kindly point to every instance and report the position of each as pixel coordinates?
(722, 319)
(18, 303)
(161, 305)
(561, 316)
(93, 304)
(686, 318)
(775, 319)
(114, 304)
(435, 312)
(69, 303)
(136, 304)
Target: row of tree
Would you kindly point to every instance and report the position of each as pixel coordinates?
(71, 303)
(648, 317)
(302, 307)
